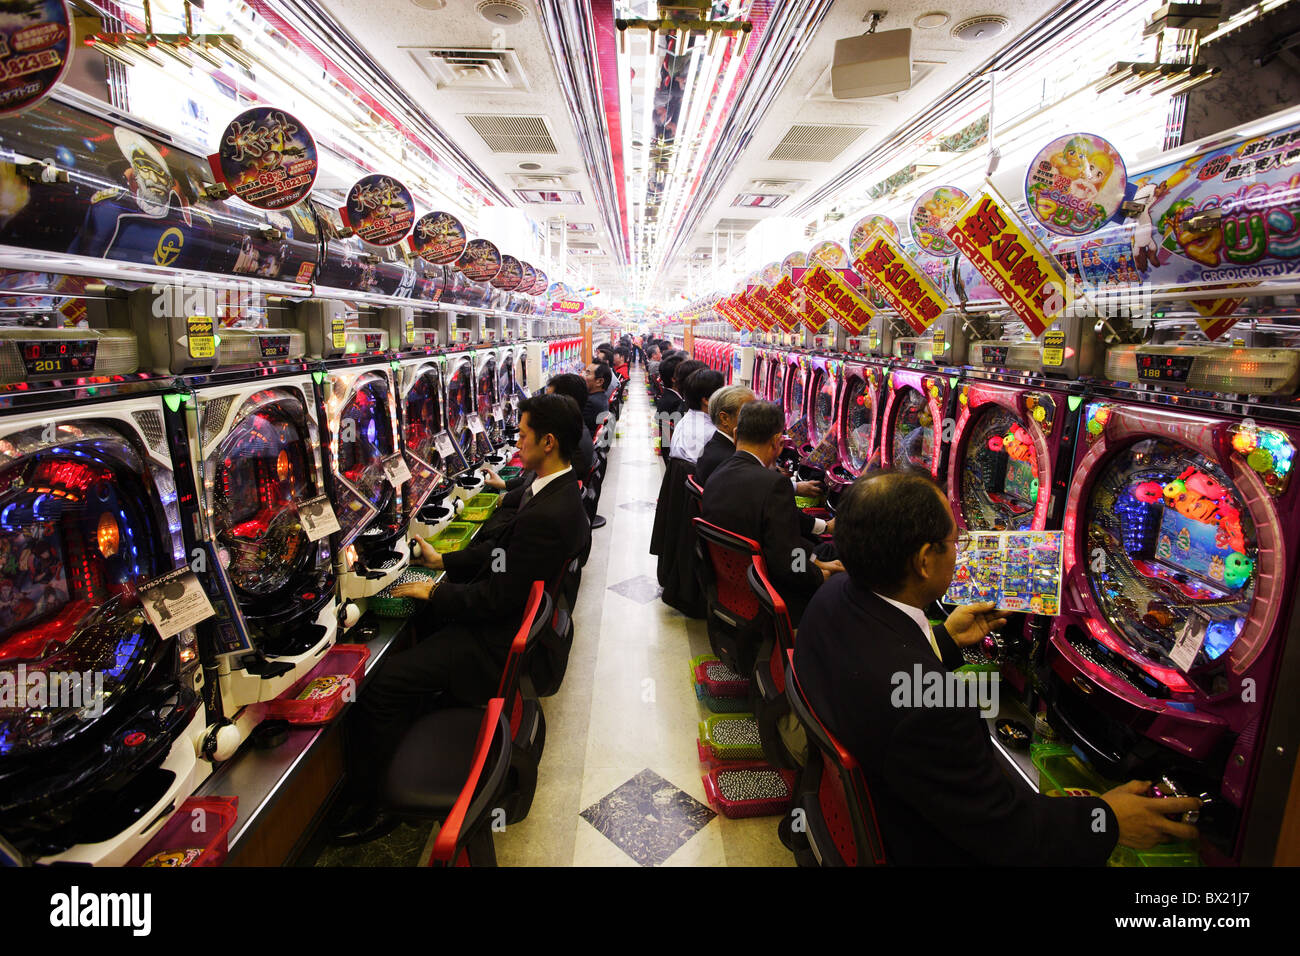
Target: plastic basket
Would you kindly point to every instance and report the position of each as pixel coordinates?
(801, 502)
(722, 705)
(719, 680)
(510, 472)
(1060, 770)
(195, 835)
(1182, 853)
(480, 507)
(338, 671)
(721, 785)
(454, 537)
(385, 605)
(730, 737)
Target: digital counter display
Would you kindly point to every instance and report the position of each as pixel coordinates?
(907, 349)
(274, 346)
(59, 357)
(995, 354)
(374, 341)
(1164, 368)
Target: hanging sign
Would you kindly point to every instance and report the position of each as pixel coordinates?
(35, 50)
(540, 283)
(380, 210)
(782, 297)
(511, 274)
(1007, 254)
(568, 306)
(836, 298)
(1075, 184)
(439, 238)
(266, 158)
(528, 281)
(900, 282)
(858, 238)
(795, 260)
(932, 214)
(480, 261)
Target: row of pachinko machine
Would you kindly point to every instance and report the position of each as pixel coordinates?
(1160, 446)
(206, 479)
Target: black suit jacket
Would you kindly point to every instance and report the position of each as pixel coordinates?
(597, 403)
(489, 590)
(747, 499)
(940, 794)
(716, 450)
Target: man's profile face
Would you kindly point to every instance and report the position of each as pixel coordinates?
(531, 446)
(589, 376)
(941, 565)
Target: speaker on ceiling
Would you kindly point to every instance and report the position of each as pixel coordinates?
(873, 64)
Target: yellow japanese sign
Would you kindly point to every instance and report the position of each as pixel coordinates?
(900, 281)
(832, 296)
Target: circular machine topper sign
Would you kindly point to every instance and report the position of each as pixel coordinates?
(795, 260)
(480, 262)
(266, 158)
(933, 213)
(540, 283)
(439, 238)
(35, 50)
(858, 238)
(771, 274)
(511, 274)
(380, 210)
(829, 254)
(530, 277)
(1075, 184)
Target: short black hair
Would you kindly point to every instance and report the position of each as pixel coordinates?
(684, 371)
(668, 368)
(701, 385)
(883, 520)
(620, 351)
(602, 374)
(571, 385)
(556, 415)
(760, 422)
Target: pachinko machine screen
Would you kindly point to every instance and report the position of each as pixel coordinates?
(824, 408)
(999, 481)
(859, 422)
(913, 442)
(460, 405)
(1177, 550)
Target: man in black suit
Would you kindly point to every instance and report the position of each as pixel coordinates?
(939, 793)
(744, 496)
(596, 410)
(472, 615)
(724, 410)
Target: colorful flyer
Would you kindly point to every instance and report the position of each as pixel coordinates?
(379, 210)
(35, 50)
(1075, 184)
(266, 158)
(1015, 570)
(858, 238)
(174, 601)
(830, 254)
(480, 261)
(511, 274)
(1007, 254)
(438, 237)
(836, 298)
(933, 214)
(900, 282)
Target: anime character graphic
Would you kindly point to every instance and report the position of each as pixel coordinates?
(151, 219)
(1072, 160)
(1146, 251)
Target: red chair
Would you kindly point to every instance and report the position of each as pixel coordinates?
(733, 612)
(770, 703)
(465, 838)
(527, 721)
(832, 791)
(547, 665)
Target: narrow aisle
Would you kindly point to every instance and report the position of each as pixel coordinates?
(620, 778)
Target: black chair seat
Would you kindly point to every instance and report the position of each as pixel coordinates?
(429, 769)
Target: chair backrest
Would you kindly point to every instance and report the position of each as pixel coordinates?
(482, 786)
(842, 796)
(695, 495)
(778, 616)
(537, 617)
(726, 558)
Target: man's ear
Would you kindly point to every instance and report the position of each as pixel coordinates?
(923, 560)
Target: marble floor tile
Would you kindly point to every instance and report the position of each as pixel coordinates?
(648, 818)
(643, 589)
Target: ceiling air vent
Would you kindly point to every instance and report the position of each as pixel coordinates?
(502, 12)
(759, 200)
(540, 181)
(540, 197)
(784, 187)
(471, 70)
(513, 134)
(815, 144)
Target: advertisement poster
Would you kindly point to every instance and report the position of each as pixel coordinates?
(836, 298)
(267, 158)
(795, 260)
(480, 262)
(900, 282)
(540, 283)
(511, 274)
(439, 238)
(932, 214)
(858, 238)
(1075, 184)
(830, 254)
(35, 50)
(380, 210)
(1016, 570)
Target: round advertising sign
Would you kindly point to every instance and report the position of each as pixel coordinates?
(858, 238)
(266, 158)
(380, 210)
(933, 213)
(540, 283)
(35, 50)
(511, 274)
(481, 260)
(795, 260)
(438, 237)
(830, 254)
(529, 279)
(1075, 184)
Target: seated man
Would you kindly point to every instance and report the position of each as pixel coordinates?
(940, 795)
(724, 409)
(472, 615)
(696, 428)
(746, 497)
(595, 412)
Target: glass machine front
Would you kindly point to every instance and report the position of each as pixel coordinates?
(858, 423)
(913, 431)
(364, 436)
(794, 394)
(506, 389)
(999, 482)
(488, 399)
(776, 381)
(823, 416)
(258, 477)
(460, 405)
(84, 522)
(423, 420)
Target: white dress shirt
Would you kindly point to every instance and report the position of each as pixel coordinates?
(691, 435)
(917, 615)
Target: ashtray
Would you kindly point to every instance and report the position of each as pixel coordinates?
(1013, 733)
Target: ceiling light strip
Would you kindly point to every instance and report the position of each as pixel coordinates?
(602, 14)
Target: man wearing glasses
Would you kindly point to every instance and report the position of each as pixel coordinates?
(936, 784)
